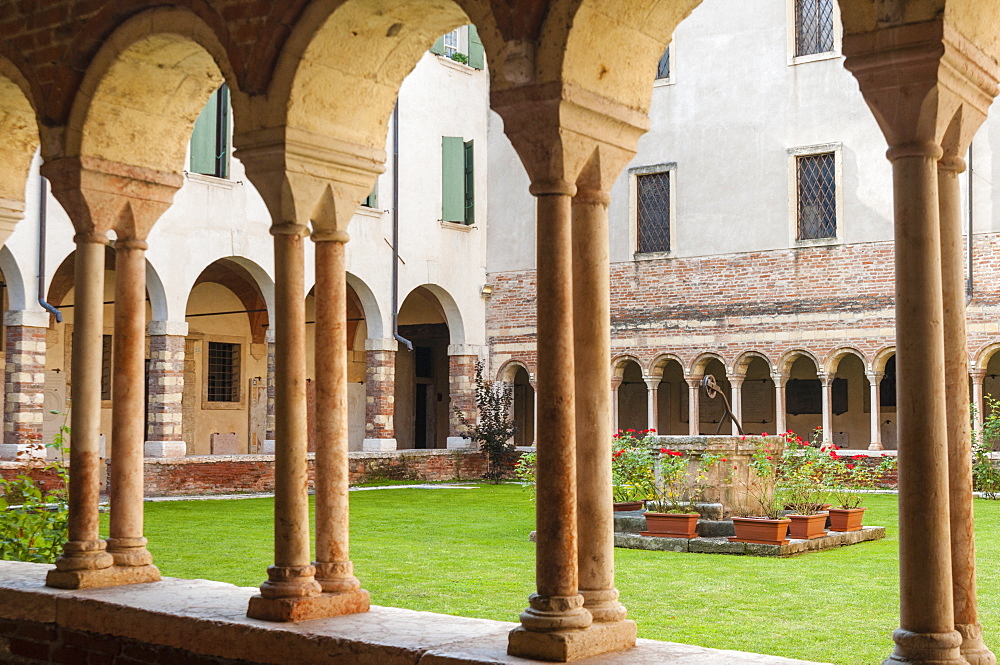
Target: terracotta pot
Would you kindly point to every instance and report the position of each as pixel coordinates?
(807, 527)
(760, 530)
(671, 525)
(846, 519)
(628, 505)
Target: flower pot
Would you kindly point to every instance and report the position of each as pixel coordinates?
(760, 530)
(628, 505)
(807, 527)
(671, 525)
(846, 519)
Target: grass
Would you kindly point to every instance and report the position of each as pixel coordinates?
(466, 552)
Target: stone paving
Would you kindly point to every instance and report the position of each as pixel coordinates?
(209, 618)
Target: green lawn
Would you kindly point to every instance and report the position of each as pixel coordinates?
(466, 551)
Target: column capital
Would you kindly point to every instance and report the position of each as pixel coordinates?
(381, 344)
(826, 378)
(175, 328)
(100, 195)
(694, 381)
(26, 317)
(308, 179)
(269, 335)
(874, 377)
(736, 380)
(652, 382)
(977, 374)
(779, 380)
(616, 382)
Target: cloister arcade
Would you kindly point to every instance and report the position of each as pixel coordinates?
(313, 86)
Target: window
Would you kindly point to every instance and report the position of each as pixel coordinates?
(223, 373)
(652, 194)
(462, 45)
(817, 196)
(814, 23)
(663, 73)
(458, 190)
(210, 138)
(372, 200)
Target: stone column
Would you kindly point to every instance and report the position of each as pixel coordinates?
(779, 403)
(126, 543)
(826, 382)
(334, 569)
(956, 364)
(24, 384)
(591, 344)
(291, 580)
(694, 405)
(736, 404)
(652, 405)
(462, 389)
(269, 420)
(874, 381)
(977, 396)
(616, 383)
(380, 395)
(166, 389)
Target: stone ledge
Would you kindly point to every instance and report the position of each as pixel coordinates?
(723, 545)
(208, 618)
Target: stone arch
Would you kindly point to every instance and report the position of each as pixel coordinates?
(984, 355)
(20, 130)
(882, 357)
(510, 368)
(833, 359)
(157, 294)
(697, 367)
(14, 280)
(788, 358)
(369, 305)
(631, 394)
(452, 313)
(742, 362)
(249, 283)
(660, 363)
(619, 362)
(150, 78)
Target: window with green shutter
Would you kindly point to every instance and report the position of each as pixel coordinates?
(477, 56)
(469, 185)
(372, 200)
(457, 180)
(210, 138)
(462, 45)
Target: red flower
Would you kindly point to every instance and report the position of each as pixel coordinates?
(849, 466)
(723, 460)
(665, 451)
(763, 433)
(858, 456)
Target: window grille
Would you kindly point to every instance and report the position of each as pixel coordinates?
(817, 196)
(653, 212)
(813, 26)
(663, 69)
(223, 372)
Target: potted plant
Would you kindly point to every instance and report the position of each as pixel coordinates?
(761, 519)
(632, 468)
(849, 479)
(801, 478)
(681, 481)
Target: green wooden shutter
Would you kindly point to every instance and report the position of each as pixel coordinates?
(438, 47)
(222, 138)
(372, 200)
(203, 138)
(477, 57)
(470, 185)
(452, 179)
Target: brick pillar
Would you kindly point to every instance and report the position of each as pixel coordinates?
(165, 437)
(268, 448)
(24, 382)
(462, 389)
(380, 387)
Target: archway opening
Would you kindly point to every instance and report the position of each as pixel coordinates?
(633, 399)
(803, 397)
(712, 412)
(422, 392)
(524, 408)
(670, 393)
(758, 398)
(887, 404)
(850, 405)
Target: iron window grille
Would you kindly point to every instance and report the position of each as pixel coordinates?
(653, 212)
(223, 372)
(813, 26)
(817, 196)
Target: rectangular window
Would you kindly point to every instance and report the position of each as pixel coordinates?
(458, 182)
(223, 372)
(462, 45)
(817, 196)
(653, 212)
(813, 27)
(210, 138)
(663, 69)
(451, 44)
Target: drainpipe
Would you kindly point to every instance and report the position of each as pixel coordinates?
(968, 258)
(42, 199)
(395, 229)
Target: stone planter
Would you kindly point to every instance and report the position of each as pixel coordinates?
(807, 527)
(760, 530)
(671, 525)
(621, 506)
(846, 519)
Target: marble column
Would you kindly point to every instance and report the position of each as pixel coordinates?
(380, 395)
(126, 543)
(826, 384)
(24, 385)
(874, 394)
(334, 569)
(779, 404)
(694, 407)
(269, 419)
(736, 404)
(977, 376)
(616, 383)
(652, 404)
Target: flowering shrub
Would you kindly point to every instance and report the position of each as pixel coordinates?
(849, 478)
(801, 472)
(524, 470)
(632, 465)
(761, 499)
(682, 480)
(985, 474)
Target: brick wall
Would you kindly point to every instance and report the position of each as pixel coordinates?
(38, 471)
(462, 386)
(24, 381)
(380, 394)
(818, 299)
(166, 387)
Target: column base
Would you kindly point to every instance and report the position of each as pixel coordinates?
(164, 449)
(926, 648)
(974, 649)
(102, 577)
(875, 446)
(603, 605)
(561, 646)
(378, 445)
(320, 606)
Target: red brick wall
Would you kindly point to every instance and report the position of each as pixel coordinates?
(815, 298)
(462, 386)
(47, 479)
(380, 382)
(166, 387)
(24, 380)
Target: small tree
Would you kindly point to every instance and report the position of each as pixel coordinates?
(494, 430)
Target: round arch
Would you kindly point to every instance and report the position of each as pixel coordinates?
(157, 294)
(449, 310)
(742, 362)
(369, 305)
(249, 283)
(16, 296)
(510, 368)
(882, 357)
(619, 362)
(833, 359)
(20, 130)
(701, 360)
(788, 358)
(660, 362)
